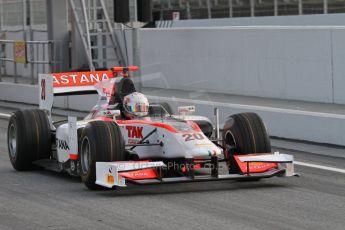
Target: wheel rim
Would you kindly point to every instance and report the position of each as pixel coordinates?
(12, 140)
(229, 139)
(85, 155)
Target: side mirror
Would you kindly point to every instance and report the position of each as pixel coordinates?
(183, 110)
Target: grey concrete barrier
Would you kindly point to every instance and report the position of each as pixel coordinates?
(290, 20)
(28, 94)
(287, 123)
(293, 63)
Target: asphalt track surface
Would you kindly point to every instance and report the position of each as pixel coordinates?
(46, 200)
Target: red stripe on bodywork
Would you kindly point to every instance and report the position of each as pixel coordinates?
(140, 174)
(73, 156)
(194, 125)
(166, 126)
(141, 122)
(254, 167)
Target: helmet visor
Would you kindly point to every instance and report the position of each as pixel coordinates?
(138, 108)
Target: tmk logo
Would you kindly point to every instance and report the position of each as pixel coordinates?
(134, 132)
(62, 144)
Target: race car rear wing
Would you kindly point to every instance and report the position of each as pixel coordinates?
(63, 84)
(76, 83)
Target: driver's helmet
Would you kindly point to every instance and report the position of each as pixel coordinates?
(135, 105)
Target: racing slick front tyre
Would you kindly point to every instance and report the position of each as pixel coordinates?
(245, 133)
(28, 138)
(99, 141)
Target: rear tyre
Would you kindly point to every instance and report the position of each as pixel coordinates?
(246, 133)
(28, 138)
(99, 141)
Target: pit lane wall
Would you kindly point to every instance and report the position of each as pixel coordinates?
(286, 123)
(289, 20)
(292, 62)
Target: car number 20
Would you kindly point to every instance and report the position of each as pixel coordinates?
(193, 136)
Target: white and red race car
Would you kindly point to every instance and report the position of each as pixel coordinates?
(105, 149)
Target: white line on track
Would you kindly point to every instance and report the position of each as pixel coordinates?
(319, 167)
(5, 115)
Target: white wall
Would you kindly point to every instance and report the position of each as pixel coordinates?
(287, 123)
(338, 44)
(291, 20)
(297, 63)
(294, 63)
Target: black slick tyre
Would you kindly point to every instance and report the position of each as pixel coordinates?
(245, 133)
(99, 141)
(28, 138)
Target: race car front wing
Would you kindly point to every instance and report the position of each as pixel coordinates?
(111, 174)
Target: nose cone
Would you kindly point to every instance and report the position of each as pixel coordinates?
(204, 152)
(197, 145)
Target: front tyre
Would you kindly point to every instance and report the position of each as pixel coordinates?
(100, 141)
(245, 133)
(28, 138)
